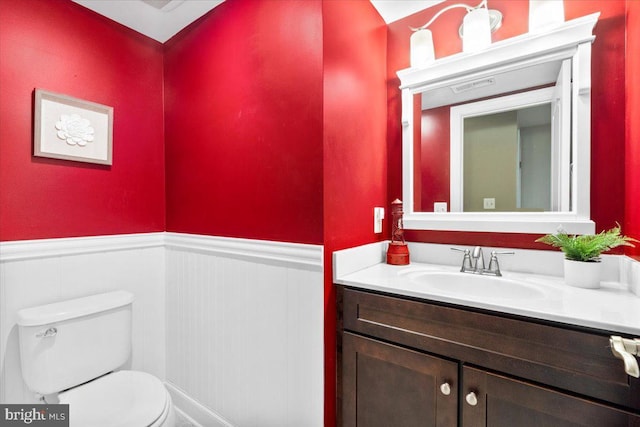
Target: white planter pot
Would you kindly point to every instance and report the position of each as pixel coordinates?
(582, 274)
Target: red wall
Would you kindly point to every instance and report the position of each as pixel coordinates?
(607, 97)
(62, 47)
(354, 134)
(435, 159)
(632, 166)
(243, 123)
(285, 141)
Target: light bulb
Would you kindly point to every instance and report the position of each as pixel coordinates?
(421, 48)
(476, 30)
(545, 13)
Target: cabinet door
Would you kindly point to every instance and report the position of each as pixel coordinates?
(385, 385)
(505, 402)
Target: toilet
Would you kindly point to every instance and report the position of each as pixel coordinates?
(71, 353)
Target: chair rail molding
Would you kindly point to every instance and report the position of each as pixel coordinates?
(50, 248)
(299, 254)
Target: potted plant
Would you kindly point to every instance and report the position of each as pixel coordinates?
(582, 253)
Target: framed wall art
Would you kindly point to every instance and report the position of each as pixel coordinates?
(69, 128)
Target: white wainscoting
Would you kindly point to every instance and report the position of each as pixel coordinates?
(39, 272)
(245, 330)
(234, 326)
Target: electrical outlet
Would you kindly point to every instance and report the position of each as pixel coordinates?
(378, 216)
(440, 206)
(490, 203)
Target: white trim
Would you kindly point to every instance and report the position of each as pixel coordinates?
(50, 248)
(510, 222)
(581, 131)
(193, 410)
(305, 255)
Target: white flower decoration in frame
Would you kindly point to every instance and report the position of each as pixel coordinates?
(74, 129)
(69, 128)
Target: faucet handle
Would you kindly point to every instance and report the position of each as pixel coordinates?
(466, 251)
(494, 266)
(502, 253)
(466, 260)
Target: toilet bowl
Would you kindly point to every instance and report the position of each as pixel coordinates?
(73, 352)
(120, 399)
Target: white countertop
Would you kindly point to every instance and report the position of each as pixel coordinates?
(611, 308)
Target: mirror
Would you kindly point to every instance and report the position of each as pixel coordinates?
(507, 149)
(506, 162)
(499, 140)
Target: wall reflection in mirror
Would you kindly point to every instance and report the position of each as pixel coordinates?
(507, 161)
(495, 146)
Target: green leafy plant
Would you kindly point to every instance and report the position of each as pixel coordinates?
(587, 247)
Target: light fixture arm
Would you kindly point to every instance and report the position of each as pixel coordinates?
(483, 3)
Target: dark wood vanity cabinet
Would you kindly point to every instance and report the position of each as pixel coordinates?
(393, 386)
(407, 362)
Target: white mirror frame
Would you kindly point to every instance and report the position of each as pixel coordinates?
(569, 40)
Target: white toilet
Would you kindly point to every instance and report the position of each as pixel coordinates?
(69, 352)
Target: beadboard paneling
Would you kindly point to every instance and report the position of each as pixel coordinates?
(245, 332)
(39, 272)
(236, 325)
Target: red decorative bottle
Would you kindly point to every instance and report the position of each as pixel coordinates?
(398, 251)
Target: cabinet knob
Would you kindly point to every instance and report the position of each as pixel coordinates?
(471, 399)
(445, 388)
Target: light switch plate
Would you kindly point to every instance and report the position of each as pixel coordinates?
(440, 206)
(378, 216)
(490, 203)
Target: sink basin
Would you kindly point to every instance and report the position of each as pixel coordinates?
(472, 285)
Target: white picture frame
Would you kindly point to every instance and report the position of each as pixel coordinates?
(69, 128)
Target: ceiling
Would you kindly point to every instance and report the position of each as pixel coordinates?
(158, 19)
(392, 10)
(162, 19)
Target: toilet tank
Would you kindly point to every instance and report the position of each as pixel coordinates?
(71, 342)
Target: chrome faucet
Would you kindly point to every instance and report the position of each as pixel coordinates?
(473, 261)
(477, 260)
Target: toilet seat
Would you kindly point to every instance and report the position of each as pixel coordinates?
(118, 399)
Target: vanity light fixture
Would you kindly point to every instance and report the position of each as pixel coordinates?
(476, 29)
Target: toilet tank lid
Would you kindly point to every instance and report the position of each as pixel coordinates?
(70, 309)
